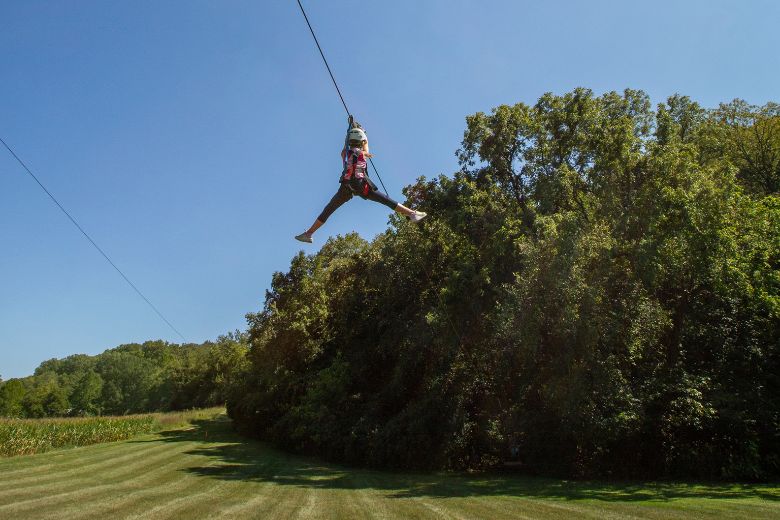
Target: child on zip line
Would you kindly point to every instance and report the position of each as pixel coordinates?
(355, 181)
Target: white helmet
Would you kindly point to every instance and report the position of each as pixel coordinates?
(357, 134)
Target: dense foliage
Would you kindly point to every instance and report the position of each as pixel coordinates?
(595, 292)
(133, 378)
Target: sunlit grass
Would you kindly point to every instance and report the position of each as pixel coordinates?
(196, 466)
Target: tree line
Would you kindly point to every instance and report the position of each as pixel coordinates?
(132, 378)
(595, 292)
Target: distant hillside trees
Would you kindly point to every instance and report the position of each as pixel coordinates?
(11, 395)
(133, 378)
(595, 292)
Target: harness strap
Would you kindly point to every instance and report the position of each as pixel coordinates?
(348, 168)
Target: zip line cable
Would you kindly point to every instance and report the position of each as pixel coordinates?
(323, 58)
(336, 84)
(90, 240)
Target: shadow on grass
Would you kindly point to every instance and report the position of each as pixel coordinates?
(247, 460)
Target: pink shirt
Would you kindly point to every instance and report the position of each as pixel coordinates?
(354, 163)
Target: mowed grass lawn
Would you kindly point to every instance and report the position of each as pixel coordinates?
(207, 471)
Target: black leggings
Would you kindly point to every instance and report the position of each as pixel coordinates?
(345, 193)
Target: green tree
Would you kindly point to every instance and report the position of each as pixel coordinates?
(127, 380)
(750, 137)
(87, 393)
(11, 396)
(597, 284)
(44, 396)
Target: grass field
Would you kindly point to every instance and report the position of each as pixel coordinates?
(206, 471)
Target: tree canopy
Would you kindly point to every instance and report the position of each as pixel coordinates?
(132, 378)
(595, 292)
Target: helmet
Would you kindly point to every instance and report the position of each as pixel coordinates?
(357, 134)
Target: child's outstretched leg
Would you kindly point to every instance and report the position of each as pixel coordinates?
(306, 235)
(377, 196)
(341, 196)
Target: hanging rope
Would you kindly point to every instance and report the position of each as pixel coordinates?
(335, 84)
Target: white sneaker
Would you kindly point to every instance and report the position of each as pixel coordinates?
(303, 237)
(417, 216)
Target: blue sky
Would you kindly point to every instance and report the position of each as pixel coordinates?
(193, 139)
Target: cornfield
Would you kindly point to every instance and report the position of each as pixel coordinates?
(28, 436)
